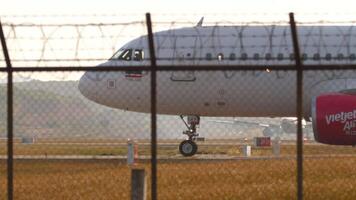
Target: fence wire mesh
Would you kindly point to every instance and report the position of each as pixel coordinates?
(67, 44)
(3, 138)
(221, 168)
(71, 141)
(68, 146)
(329, 166)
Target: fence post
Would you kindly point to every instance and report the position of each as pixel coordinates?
(299, 67)
(276, 146)
(9, 116)
(153, 109)
(138, 184)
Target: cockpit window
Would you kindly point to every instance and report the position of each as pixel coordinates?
(138, 55)
(123, 54)
(128, 54)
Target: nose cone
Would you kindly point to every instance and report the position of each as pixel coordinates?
(87, 86)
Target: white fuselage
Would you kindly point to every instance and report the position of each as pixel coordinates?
(227, 93)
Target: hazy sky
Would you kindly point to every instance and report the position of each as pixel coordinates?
(15, 7)
(162, 10)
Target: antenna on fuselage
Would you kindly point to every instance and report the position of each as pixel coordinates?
(200, 23)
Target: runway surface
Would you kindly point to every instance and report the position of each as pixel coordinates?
(177, 158)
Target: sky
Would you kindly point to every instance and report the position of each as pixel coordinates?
(229, 10)
(17, 7)
(162, 10)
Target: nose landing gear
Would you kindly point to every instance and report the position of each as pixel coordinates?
(189, 147)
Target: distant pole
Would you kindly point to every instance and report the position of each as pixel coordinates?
(138, 184)
(130, 152)
(276, 146)
(299, 67)
(153, 109)
(10, 136)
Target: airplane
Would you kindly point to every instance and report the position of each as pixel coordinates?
(276, 128)
(328, 96)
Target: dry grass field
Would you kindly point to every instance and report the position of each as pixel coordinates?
(324, 178)
(97, 148)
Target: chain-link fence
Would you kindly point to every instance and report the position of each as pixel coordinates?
(3, 140)
(210, 110)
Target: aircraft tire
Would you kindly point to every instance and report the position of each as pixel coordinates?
(188, 148)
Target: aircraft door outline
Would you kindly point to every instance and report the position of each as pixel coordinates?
(185, 76)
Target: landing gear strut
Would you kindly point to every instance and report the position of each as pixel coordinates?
(189, 147)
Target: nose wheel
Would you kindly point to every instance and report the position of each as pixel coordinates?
(189, 147)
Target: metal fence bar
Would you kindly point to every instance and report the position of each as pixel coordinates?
(299, 67)
(158, 68)
(185, 68)
(10, 166)
(153, 109)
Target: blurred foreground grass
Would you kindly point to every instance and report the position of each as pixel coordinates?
(324, 178)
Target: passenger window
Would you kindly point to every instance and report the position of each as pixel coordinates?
(126, 55)
(304, 56)
(316, 56)
(280, 56)
(244, 56)
(208, 56)
(232, 56)
(138, 55)
(291, 56)
(340, 56)
(256, 56)
(328, 56)
(268, 56)
(220, 57)
(352, 56)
